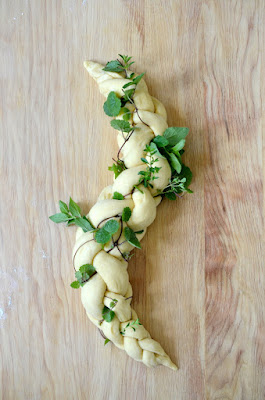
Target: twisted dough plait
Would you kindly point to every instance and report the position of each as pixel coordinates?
(111, 280)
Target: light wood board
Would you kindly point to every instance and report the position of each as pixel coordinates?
(199, 280)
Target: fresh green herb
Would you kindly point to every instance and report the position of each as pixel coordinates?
(126, 113)
(72, 215)
(106, 341)
(112, 105)
(178, 184)
(132, 325)
(149, 174)
(118, 196)
(121, 125)
(131, 237)
(83, 275)
(160, 141)
(111, 226)
(107, 314)
(119, 65)
(126, 214)
(175, 134)
(113, 303)
(139, 232)
(102, 236)
(176, 165)
(117, 167)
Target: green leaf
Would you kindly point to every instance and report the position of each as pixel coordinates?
(179, 146)
(74, 208)
(117, 168)
(112, 105)
(87, 268)
(139, 232)
(75, 285)
(175, 134)
(154, 149)
(63, 207)
(106, 341)
(84, 224)
(186, 173)
(131, 237)
(111, 226)
(126, 214)
(175, 162)
(126, 113)
(170, 195)
(60, 217)
(121, 125)
(108, 314)
(128, 94)
(128, 84)
(113, 66)
(102, 236)
(160, 141)
(118, 196)
(144, 160)
(137, 79)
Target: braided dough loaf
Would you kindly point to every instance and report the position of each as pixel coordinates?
(112, 280)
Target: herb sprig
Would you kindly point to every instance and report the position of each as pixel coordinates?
(83, 275)
(132, 325)
(72, 216)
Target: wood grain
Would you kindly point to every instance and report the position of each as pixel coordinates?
(199, 280)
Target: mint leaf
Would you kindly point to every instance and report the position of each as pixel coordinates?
(113, 66)
(128, 84)
(117, 168)
(74, 208)
(137, 79)
(179, 146)
(121, 125)
(175, 162)
(128, 94)
(111, 226)
(75, 285)
(84, 224)
(131, 237)
(102, 236)
(175, 134)
(112, 105)
(118, 196)
(60, 217)
(63, 207)
(126, 214)
(154, 149)
(106, 341)
(108, 314)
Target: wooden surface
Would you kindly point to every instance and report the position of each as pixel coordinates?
(199, 280)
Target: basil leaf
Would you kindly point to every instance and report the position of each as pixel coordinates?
(112, 105)
(131, 237)
(126, 214)
(175, 134)
(175, 162)
(108, 314)
(179, 146)
(160, 141)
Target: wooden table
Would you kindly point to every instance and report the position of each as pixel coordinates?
(199, 280)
